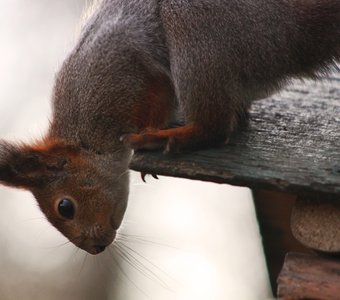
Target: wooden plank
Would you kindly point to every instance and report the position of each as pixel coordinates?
(291, 144)
(309, 277)
(273, 210)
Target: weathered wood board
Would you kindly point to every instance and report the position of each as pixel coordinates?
(292, 144)
(307, 276)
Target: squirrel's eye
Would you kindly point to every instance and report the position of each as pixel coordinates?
(66, 208)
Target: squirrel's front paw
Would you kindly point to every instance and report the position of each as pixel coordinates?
(174, 140)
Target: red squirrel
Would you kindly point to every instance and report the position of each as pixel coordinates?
(135, 65)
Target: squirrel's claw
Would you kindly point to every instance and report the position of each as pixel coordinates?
(143, 174)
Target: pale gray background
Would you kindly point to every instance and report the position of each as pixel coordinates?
(200, 240)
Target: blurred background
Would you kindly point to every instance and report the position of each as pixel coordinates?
(183, 240)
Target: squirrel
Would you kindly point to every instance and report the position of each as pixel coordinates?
(137, 63)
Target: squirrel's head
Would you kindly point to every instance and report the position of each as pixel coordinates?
(83, 194)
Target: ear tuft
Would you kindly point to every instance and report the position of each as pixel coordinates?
(16, 162)
(28, 166)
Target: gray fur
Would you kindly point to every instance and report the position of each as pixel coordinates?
(218, 55)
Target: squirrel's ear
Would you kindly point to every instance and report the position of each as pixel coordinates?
(29, 166)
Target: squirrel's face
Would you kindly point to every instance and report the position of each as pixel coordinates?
(83, 195)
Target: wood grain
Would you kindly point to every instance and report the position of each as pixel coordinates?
(306, 276)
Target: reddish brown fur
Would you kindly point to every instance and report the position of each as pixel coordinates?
(156, 108)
